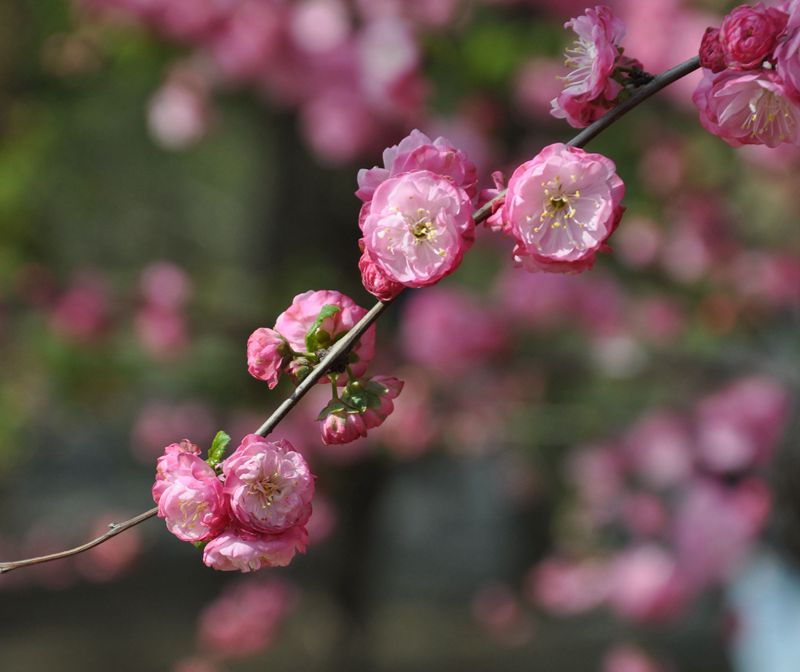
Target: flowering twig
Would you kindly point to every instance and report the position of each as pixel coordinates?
(343, 345)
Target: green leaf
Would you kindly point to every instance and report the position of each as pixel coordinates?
(218, 447)
(199, 545)
(317, 337)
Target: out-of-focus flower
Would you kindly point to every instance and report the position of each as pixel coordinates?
(179, 114)
(627, 658)
(82, 312)
(787, 53)
(269, 485)
(165, 285)
(112, 558)
(418, 227)
(188, 494)
(245, 618)
(445, 329)
(561, 208)
(161, 332)
(659, 449)
(237, 550)
(266, 355)
(749, 34)
(564, 587)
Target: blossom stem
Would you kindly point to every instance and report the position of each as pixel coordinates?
(345, 343)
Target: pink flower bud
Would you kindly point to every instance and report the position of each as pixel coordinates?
(188, 494)
(561, 207)
(375, 281)
(266, 351)
(269, 485)
(239, 550)
(418, 227)
(342, 427)
(749, 34)
(711, 54)
(374, 417)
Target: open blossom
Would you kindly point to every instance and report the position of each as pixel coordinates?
(269, 485)
(266, 352)
(188, 494)
(747, 108)
(418, 152)
(237, 550)
(295, 322)
(561, 207)
(749, 33)
(418, 227)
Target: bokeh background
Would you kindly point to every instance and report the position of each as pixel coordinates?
(594, 473)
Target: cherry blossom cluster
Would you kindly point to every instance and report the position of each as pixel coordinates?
(750, 91)
(248, 511)
(302, 336)
(600, 74)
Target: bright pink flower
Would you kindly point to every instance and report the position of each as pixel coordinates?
(237, 550)
(594, 54)
(375, 281)
(787, 54)
(342, 427)
(266, 355)
(418, 227)
(269, 485)
(749, 34)
(294, 323)
(418, 152)
(561, 208)
(745, 108)
(711, 53)
(188, 494)
(244, 619)
(645, 584)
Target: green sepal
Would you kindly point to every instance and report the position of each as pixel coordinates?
(199, 545)
(218, 447)
(334, 406)
(317, 337)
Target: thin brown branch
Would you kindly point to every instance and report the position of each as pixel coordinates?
(344, 344)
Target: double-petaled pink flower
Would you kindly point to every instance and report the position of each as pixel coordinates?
(749, 34)
(188, 494)
(237, 550)
(561, 207)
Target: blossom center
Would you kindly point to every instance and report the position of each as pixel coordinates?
(770, 115)
(558, 205)
(264, 489)
(422, 228)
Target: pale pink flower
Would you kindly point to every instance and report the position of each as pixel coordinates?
(245, 618)
(567, 587)
(749, 34)
(269, 485)
(712, 56)
(342, 427)
(294, 323)
(418, 152)
(161, 332)
(561, 208)
(319, 26)
(237, 550)
(418, 227)
(179, 112)
(746, 108)
(266, 355)
(165, 285)
(189, 494)
(375, 281)
(659, 448)
(645, 584)
(787, 54)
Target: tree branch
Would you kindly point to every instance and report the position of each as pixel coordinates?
(344, 344)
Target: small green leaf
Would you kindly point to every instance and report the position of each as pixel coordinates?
(218, 447)
(199, 545)
(317, 337)
(334, 406)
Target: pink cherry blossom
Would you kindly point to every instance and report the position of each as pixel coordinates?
(294, 323)
(269, 485)
(237, 550)
(418, 227)
(746, 108)
(188, 494)
(245, 618)
(561, 208)
(749, 33)
(711, 54)
(342, 427)
(787, 54)
(266, 353)
(418, 152)
(375, 281)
